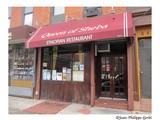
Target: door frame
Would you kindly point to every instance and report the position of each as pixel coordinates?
(130, 71)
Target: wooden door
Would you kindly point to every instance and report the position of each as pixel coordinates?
(113, 76)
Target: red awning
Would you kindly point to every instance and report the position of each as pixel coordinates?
(90, 29)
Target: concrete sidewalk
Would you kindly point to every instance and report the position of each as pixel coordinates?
(19, 105)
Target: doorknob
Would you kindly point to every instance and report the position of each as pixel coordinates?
(141, 72)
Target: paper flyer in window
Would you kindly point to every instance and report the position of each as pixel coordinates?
(64, 76)
(54, 72)
(44, 64)
(44, 74)
(75, 76)
(68, 76)
(81, 67)
(54, 75)
(69, 70)
(78, 75)
(59, 76)
(64, 69)
(48, 74)
(75, 67)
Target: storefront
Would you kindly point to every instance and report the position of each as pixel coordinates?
(21, 62)
(83, 60)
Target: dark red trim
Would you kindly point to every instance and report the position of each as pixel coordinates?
(92, 76)
(38, 76)
(130, 73)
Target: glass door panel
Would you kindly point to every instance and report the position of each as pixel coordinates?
(105, 76)
(119, 76)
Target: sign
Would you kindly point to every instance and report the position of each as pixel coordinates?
(9, 35)
(88, 29)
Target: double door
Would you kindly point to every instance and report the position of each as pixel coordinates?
(113, 76)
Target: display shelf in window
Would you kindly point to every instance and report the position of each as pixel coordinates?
(22, 70)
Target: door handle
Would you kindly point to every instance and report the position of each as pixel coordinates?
(141, 72)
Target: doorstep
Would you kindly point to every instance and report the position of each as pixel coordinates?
(112, 103)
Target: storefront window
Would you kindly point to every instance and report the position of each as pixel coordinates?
(21, 63)
(63, 63)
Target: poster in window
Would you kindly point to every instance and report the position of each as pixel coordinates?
(75, 67)
(64, 76)
(44, 76)
(81, 67)
(54, 74)
(78, 75)
(68, 70)
(68, 76)
(64, 69)
(44, 64)
(75, 76)
(48, 75)
(59, 76)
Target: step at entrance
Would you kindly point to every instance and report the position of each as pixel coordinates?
(115, 104)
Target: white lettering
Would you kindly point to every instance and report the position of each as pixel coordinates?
(83, 29)
(53, 34)
(79, 38)
(69, 40)
(92, 28)
(57, 41)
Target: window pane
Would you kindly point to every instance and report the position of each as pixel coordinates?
(46, 64)
(58, 10)
(78, 67)
(21, 63)
(9, 12)
(9, 22)
(62, 67)
(28, 19)
(28, 10)
(64, 62)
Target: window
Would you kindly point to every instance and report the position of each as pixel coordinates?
(9, 22)
(28, 16)
(92, 11)
(9, 16)
(58, 10)
(21, 62)
(64, 63)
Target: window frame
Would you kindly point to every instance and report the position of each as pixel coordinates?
(72, 60)
(9, 16)
(28, 13)
(59, 12)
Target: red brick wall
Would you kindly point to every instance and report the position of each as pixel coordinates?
(16, 16)
(108, 10)
(73, 13)
(42, 16)
(77, 12)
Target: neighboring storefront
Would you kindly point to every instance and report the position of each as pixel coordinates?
(143, 35)
(84, 60)
(21, 62)
(144, 60)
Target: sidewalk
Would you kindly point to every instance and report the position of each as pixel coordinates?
(19, 105)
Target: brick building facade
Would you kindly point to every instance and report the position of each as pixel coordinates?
(44, 16)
